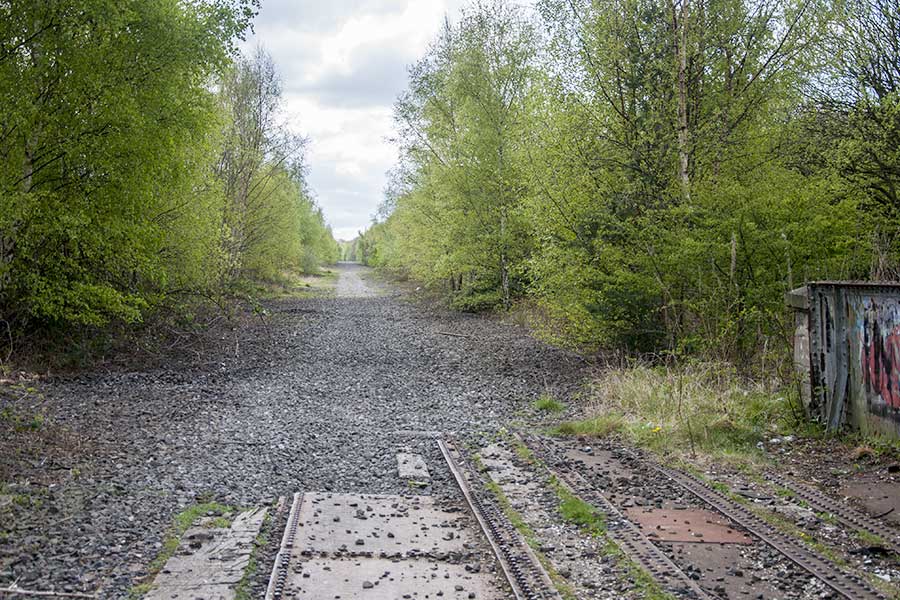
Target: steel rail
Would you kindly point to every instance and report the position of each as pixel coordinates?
(846, 515)
(846, 584)
(521, 567)
(275, 589)
(626, 534)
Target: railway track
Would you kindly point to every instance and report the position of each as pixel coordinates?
(846, 515)
(846, 585)
(278, 579)
(392, 546)
(625, 533)
(522, 569)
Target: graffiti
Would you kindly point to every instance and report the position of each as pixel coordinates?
(878, 332)
(854, 350)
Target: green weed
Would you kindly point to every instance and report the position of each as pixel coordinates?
(575, 510)
(643, 581)
(242, 591)
(20, 421)
(869, 539)
(599, 426)
(548, 403)
(528, 534)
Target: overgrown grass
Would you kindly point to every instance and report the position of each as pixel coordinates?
(875, 445)
(287, 284)
(643, 580)
(528, 534)
(575, 510)
(599, 426)
(593, 521)
(701, 408)
(20, 421)
(476, 301)
(548, 403)
(181, 523)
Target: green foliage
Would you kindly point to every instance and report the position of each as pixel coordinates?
(97, 135)
(272, 223)
(112, 145)
(19, 421)
(699, 407)
(597, 426)
(575, 510)
(654, 176)
(548, 403)
(181, 523)
(456, 219)
(242, 591)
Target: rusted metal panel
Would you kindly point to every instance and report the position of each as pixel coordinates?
(854, 349)
(693, 525)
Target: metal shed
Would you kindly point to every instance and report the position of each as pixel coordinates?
(847, 353)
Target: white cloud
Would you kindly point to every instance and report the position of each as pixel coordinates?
(343, 62)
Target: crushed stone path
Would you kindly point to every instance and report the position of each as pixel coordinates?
(351, 284)
(321, 398)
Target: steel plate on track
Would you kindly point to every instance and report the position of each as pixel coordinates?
(383, 579)
(351, 523)
(688, 525)
(383, 547)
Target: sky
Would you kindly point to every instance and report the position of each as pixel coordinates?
(343, 63)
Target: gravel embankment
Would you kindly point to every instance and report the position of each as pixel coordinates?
(319, 399)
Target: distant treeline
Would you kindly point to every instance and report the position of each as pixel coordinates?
(142, 161)
(650, 176)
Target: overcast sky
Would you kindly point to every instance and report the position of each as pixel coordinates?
(342, 63)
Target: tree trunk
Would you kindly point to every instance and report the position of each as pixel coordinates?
(679, 30)
(504, 266)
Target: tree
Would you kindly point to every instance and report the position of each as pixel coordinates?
(460, 125)
(270, 220)
(655, 193)
(106, 123)
(855, 115)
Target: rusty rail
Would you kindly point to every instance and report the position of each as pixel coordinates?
(277, 580)
(846, 584)
(626, 534)
(841, 512)
(520, 566)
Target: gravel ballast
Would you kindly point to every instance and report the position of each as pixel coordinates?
(321, 397)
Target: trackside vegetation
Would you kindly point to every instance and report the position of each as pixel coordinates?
(142, 163)
(698, 408)
(649, 177)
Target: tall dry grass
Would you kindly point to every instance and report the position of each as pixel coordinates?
(696, 408)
